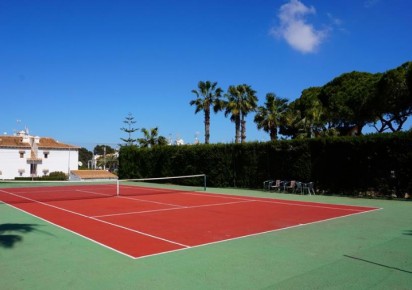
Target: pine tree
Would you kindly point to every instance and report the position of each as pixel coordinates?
(129, 120)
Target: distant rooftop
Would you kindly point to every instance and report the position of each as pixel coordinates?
(22, 140)
(93, 174)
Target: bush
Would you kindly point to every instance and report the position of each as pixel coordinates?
(343, 165)
(57, 175)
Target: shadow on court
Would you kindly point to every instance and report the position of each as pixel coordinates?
(408, 233)
(378, 264)
(10, 234)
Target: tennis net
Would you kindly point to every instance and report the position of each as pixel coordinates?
(162, 185)
(44, 191)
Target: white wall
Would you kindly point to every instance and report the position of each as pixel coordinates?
(57, 160)
(11, 163)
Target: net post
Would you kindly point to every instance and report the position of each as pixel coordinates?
(117, 187)
(204, 182)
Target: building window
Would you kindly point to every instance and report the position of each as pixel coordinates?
(33, 170)
(46, 154)
(21, 171)
(22, 154)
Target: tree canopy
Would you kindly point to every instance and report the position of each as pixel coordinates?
(151, 138)
(207, 95)
(240, 101)
(84, 157)
(103, 149)
(343, 106)
(348, 101)
(394, 98)
(270, 116)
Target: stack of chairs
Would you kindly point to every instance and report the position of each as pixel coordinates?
(292, 186)
(309, 188)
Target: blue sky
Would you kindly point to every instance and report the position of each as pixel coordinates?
(73, 70)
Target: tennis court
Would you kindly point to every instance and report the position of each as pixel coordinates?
(365, 250)
(140, 221)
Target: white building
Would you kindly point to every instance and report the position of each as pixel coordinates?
(23, 155)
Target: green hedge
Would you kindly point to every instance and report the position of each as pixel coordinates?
(363, 164)
(226, 165)
(53, 176)
(345, 165)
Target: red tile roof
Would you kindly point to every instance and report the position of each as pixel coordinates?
(94, 174)
(44, 143)
(13, 142)
(51, 144)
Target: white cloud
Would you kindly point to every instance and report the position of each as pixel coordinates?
(295, 29)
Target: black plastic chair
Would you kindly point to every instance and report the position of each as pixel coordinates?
(309, 188)
(298, 187)
(267, 184)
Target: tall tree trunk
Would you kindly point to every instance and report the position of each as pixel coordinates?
(237, 124)
(243, 129)
(207, 125)
(273, 134)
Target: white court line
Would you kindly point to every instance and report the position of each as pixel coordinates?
(176, 208)
(46, 189)
(185, 247)
(62, 190)
(319, 206)
(294, 203)
(95, 219)
(257, 234)
(149, 201)
(96, 193)
(241, 200)
(71, 231)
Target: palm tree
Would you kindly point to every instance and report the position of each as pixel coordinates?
(241, 100)
(151, 138)
(233, 108)
(108, 161)
(269, 117)
(314, 122)
(310, 120)
(207, 95)
(249, 105)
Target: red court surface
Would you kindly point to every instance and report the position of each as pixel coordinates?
(145, 225)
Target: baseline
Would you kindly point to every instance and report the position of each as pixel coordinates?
(34, 202)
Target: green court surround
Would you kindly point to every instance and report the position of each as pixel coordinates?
(366, 251)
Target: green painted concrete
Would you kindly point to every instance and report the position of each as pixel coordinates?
(366, 251)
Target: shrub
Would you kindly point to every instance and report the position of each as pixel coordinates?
(338, 165)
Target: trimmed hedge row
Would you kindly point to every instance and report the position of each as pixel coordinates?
(375, 164)
(53, 176)
(347, 165)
